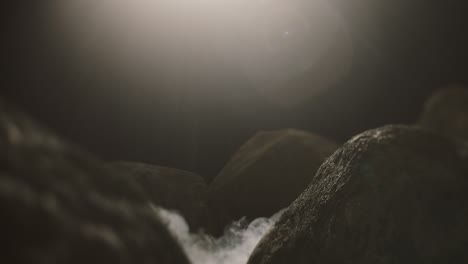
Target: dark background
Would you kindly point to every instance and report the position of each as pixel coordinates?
(404, 50)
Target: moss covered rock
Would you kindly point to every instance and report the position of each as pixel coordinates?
(391, 195)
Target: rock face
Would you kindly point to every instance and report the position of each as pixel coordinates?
(267, 174)
(172, 189)
(447, 112)
(391, 195)
(60, 205)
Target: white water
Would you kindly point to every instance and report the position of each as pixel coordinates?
(234, 247)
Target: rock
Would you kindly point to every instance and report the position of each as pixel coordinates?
(61, 205)
(391, 195)
(267, 173)
(172, 189)
(447, 112)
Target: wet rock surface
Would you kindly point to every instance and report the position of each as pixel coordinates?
(61, 205)
(173, 189)
(267, 173)
(391, 195)
(447, 112)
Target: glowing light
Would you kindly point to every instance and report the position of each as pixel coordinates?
(267, 40)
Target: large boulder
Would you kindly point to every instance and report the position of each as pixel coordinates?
(61, 205)
(446, 112)
(172, 189)
(267, 173)
(391, 195)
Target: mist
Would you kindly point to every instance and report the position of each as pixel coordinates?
(234, 247)
(265, 43)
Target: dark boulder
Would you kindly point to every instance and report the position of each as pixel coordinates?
(391, 195)
(447, 112)
(61, 205)
(267, 173)
(172, 189)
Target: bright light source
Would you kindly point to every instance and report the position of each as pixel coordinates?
(270, 41)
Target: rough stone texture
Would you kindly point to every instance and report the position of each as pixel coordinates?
(391, 195)
(267, 173)
(447, 112)
(172, 189)
(60, 205)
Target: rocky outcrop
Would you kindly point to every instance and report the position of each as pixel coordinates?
(391, 195)
(61, 205)
(447, 112)
(267, 173)
(172, 189)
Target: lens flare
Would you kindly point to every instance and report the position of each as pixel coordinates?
(270, 42)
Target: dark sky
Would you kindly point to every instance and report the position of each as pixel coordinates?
(403, 51)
